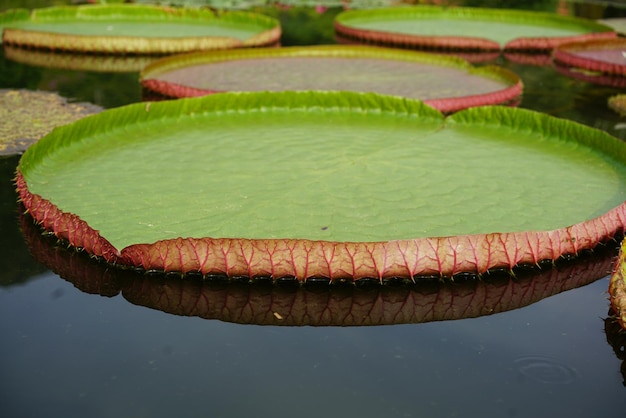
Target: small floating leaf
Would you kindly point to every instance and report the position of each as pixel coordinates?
(618, 103)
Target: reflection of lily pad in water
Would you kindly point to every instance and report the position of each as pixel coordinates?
(321, 184)
(28, 115)
(466, 28)
(603, 56)
(446, 83)
(233, 301)
(130, 29)
(101, 63)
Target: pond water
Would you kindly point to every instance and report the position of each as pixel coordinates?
(80, 340)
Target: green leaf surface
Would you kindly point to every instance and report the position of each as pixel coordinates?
(500, 25)
(138, 21)
(323, 166)
(397, 72)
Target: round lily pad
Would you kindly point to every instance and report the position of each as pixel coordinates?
(462, 28)
(130, 29)
(339, 185)
(28, 115)
(446, 83)
(606, 56)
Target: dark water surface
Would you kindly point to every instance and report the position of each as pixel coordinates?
(88, 342)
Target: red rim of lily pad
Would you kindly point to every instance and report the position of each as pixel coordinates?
(286, 122)
(475, 57)
(402, 303)
(593, 77)
(129, 29)
(536, 60)
(376, 26)
(448, 84)
(604, 56)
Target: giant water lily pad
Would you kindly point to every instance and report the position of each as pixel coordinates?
(462, 28)
(605, 56)
(130, 29)
(325, 184)
(446, 83)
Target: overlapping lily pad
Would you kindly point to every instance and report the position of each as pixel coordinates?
(130, 29)
(600, 56)
(462, 28)
(446, 83)
(342, 186)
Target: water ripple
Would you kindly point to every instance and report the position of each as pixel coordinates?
(545, 370)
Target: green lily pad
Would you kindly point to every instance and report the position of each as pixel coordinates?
(605, 56)
(325, 184)
(461, 28)
(130, 29)
(446, 83)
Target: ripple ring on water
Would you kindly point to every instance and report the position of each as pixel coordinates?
(545, 370)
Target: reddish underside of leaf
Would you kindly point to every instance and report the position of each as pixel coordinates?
(343, 306)
(508, 96)
(461, 43)
(604, 56)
